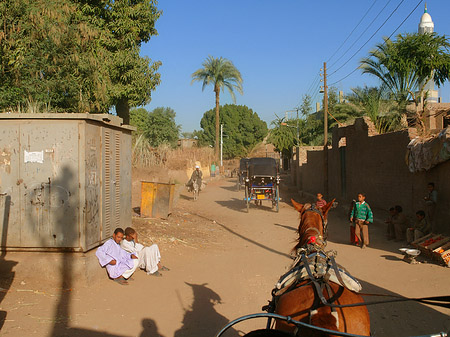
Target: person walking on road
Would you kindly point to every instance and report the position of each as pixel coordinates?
(362, 215)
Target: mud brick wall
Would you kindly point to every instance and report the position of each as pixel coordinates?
(375, 164)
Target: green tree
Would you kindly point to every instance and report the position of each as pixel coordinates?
(139, 119)
(306, 106)
(282, 135)
(220, 73)
(407, 64)
(242, 129)
(76, 56)
(161, 127)
(129, 24)
(48, 57)
(375, 103)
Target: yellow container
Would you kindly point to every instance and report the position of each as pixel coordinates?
(156, 199)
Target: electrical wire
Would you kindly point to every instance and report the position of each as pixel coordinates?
(359, 37)
(370, 38)
(357, 25)
(396, 29)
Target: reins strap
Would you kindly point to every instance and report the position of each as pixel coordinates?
(313, 279)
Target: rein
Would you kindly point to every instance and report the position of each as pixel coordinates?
(440, 301)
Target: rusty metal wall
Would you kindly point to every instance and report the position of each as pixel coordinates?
(61, 181)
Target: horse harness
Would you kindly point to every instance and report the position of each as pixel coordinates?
(313, 266)
(314, 209)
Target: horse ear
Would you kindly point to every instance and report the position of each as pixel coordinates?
(327, 207)
(297, 206)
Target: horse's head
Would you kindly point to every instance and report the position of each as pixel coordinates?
(312, 223)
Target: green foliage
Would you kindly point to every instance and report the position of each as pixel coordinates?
(312, 123)
(139, 119)
(375, 103)
(73, 56)
(161, 127)
(407, 64)
(283, 137)
(220, 73)
(156, 127)
(242, 129)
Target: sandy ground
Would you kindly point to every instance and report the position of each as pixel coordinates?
(224, 263)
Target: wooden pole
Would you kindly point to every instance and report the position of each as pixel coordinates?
(325, 131)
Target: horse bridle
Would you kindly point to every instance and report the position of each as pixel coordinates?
(314, 209)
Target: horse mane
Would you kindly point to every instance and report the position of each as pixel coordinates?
(309, 221)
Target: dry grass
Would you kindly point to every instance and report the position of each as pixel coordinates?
(145, 156)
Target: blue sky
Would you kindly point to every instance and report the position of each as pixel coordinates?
(278, 46)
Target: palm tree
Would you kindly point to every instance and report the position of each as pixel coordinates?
(375, 103)
(221, 73)
(406, 65)
(400, 82)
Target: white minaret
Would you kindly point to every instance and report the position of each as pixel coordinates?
(426, 26)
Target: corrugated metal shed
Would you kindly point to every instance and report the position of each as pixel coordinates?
(65, 180)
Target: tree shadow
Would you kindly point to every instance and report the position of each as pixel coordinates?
(240, 205)
(201, 319)
(234, 204)
(66, 223)
(244, 237)
(51, 213)
(233, 188)
(294, 229)
(185, 197)
(6, 266)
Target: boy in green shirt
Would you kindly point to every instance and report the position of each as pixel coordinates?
(362, 215)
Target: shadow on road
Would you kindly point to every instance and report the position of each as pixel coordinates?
(244, 237)
(239, 205)
(201, 319)
(232, 188)
(294, 229)
(234, 204)
(149, 328)
(6, 267)
(407, 318)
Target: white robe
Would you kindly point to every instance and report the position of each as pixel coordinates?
(149, 257)
(125, 265)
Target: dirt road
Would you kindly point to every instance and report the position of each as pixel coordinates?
(224, 263)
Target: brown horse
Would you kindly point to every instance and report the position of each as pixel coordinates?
(302, 300)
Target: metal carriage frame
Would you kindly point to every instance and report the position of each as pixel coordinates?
(262, 182)
(242, 173)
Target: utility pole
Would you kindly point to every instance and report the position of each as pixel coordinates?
(298, 131)
(221, 146)
(325, 130)
(325, 105)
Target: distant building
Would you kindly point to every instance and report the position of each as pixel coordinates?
(187, 143)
